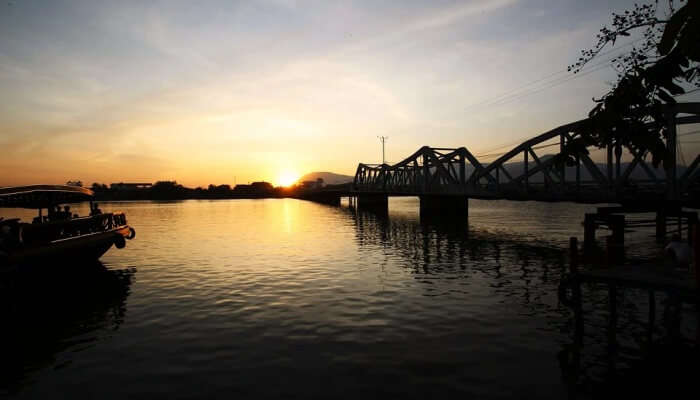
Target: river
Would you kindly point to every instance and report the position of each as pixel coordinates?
(288, 298)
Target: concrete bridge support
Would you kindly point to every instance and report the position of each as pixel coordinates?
(444, 206)
(373, 202)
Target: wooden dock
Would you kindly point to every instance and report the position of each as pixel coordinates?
(644, 276)
(678, 286)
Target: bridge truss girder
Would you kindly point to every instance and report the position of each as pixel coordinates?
(456, 171)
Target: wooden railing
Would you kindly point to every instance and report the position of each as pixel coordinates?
(62, 229)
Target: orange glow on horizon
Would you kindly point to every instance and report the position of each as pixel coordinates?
(287, 178)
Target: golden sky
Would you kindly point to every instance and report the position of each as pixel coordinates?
(224, 92)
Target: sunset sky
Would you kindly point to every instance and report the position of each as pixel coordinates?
(217, 92)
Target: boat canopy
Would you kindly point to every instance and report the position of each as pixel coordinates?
(42, 196)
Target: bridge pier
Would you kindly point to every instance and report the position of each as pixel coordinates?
(373, 202)
(438, 206)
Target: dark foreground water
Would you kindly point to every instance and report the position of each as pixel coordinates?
(286, 298)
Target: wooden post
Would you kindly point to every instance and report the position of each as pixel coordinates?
(609, 251)
(696, 255)
(692, 222)
(652, 317)
(660, 225)
(589, 231)
(573, 255)
(673, 308)
(578, 308)
(617, 224)
(612, 324)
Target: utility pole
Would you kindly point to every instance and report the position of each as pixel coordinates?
(383, 139)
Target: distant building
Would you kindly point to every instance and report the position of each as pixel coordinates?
(242, 189)
(262, 187)
(130, 186)
(257, 188)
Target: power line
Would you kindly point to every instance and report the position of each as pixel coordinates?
(512, 92)
(553, 84)
(488, 153)
(533, 148)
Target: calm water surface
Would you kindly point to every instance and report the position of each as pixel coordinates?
(286, 298)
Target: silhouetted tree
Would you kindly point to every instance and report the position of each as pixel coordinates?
(98, 187)
(169, 190)
(632, 113)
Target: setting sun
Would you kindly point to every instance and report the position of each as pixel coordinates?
(287, 178)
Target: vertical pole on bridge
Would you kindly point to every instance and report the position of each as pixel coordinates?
(660, 225)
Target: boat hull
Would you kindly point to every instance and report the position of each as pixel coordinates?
(78, 249)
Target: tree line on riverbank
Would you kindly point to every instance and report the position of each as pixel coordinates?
(171, 190)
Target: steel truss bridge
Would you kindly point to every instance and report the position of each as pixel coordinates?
(523, 174)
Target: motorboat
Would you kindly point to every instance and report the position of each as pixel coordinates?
(57, 236)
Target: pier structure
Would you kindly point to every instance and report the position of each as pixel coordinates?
(663, 286)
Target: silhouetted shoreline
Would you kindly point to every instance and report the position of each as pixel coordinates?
(171, 190)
